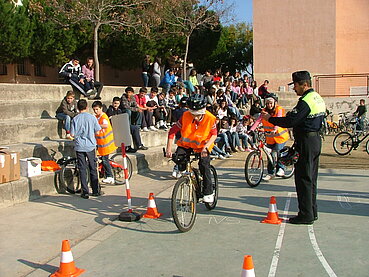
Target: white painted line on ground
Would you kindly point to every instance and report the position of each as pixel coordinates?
(278, 245)
(319, 253)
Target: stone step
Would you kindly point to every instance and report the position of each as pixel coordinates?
(49, 92)
(35, 109)
(30, 188)
(36, 129)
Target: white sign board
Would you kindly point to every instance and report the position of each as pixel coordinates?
(121, 129)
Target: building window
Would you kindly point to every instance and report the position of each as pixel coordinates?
(39, 70)
(3, 69)
(22, 68)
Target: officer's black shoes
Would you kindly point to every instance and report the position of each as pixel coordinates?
(315, 218)
(299, 220)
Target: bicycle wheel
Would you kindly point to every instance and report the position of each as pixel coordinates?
(183, 204)
(254, 167)
(118, 171)
(289, 170)
(367, 147)
(69, 177)
(214, 182)
(343, 143)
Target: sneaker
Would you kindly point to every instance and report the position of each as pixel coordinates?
(209, 198)
(97, 98)
(142, 147)
(90, 91)
(152, 128)
(174, 174)
(163, 127)
(109, 180)
(144, 129)
(267, 177)
(131, 150)
(97, 193)
(248, 150)
(157, 126)
(280, 172)
(227, 155)
(241, 149)
(221, 157)
(84, 195)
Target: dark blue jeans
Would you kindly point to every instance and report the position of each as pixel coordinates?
(106, 165)
(88, 160)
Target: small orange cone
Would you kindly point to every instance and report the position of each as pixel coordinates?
(272, 217)
(152, 211)
(67, 267)
(248, 267)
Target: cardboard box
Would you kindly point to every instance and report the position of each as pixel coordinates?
(30, 167)
(4, 167)
(14, 166)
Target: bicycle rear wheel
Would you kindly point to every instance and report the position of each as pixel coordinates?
(254, 167)
(183, 204)
(214, 182)
(69, 177)
(289, 170)
(118, 171)
(343, 143)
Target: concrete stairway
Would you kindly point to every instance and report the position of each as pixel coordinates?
(29, 127)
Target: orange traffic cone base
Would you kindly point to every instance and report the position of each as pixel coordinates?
(155, 215)
(77, 272)
(272, 221)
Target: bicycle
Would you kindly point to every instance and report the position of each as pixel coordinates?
(69, 175)
(344, 142)
(187, 192)
(254, 164)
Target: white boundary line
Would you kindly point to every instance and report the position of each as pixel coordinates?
(278, 244)
(319, 253)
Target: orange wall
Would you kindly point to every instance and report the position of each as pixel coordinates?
(291, 35)
(352, 36)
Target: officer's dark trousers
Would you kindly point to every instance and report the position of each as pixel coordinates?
(306, 173)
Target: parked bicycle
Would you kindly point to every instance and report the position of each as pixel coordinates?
(187, 192)
(69, 175)
(345, 142)
(256, 164)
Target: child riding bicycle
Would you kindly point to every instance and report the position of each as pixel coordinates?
(198, 133)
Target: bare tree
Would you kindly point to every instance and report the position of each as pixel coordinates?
(185, 16)
(120, 15)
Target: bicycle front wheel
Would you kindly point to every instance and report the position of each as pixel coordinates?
(214, 183)
(343, 143)
(183, 204)
(69, 177)
(254, 167)
(118, 171)
(367, 147)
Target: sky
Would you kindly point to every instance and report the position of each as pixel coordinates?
(242, 10)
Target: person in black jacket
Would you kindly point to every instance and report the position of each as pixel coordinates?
(306, 119)
(72, 73)
(114, 109)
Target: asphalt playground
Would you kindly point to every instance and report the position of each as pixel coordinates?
(335, 245)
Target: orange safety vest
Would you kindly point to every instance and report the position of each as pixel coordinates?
(280, 136)
(196, 136)
(105, 137)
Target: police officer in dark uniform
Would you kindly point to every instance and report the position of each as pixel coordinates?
(306, 119)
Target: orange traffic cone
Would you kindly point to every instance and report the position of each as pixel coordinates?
(272, 217)
(248, 267)
(152, 211)
(67, 267)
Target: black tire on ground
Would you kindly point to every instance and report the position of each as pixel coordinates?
(119, 172)
(69, 177)
(183, 204)
(343, 143)
(254, 167)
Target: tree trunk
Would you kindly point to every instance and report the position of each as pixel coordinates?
(96, 51)
(184, 75)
